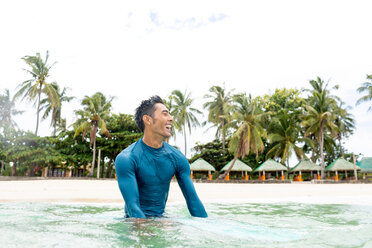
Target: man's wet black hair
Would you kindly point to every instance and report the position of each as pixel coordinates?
(147, 107)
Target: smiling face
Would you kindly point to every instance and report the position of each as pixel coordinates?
(160, 123)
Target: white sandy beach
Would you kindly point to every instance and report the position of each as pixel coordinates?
(107, 191)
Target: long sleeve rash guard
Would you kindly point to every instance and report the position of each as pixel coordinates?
(144, 174)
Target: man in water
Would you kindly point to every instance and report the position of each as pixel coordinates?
(145, 168)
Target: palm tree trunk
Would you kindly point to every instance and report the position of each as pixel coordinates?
(321, 142)
(341, 150)
(222, 176)
(223, 135)
(184, 133)
(313, 158)
(109, 168)
(38, 109)
(2, 167)
(54, 128)
(14, 169)
(93, 160)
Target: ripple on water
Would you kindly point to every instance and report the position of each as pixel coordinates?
(232, 225)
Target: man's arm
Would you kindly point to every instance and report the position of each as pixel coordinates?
(125, 172)
(193, 202)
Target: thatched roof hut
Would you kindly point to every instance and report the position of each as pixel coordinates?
(238, 166)
(341, 164)
(201, 165)
(270, 165)
(306, 165)
(365, 165)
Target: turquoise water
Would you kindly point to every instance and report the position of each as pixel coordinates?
(229, 225)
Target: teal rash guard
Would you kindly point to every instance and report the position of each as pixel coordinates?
(144, 174)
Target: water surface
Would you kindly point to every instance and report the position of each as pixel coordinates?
(229, 225)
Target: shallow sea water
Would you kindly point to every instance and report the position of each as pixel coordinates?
(229, 225)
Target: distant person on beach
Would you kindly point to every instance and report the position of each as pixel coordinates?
(145, 169)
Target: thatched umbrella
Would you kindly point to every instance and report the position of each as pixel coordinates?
(270, 166)
(365, 166)
(202, 165)
(340, 164)
(238, 166)
(306, 165)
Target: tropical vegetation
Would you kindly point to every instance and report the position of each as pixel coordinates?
(307, 123)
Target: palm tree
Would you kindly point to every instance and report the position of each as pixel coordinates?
(345, 124)
(219, 109)
(7, 110)
(92, 117)
(57, 109)
(319, 117)
(37, 85)
(183, 113)
(284, 135)
(247, 138)
(175, 126)
(366, 87)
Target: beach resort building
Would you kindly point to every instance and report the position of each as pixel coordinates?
(270, 167)
(239, 167)
(200, 165)
(341, 169)
(365, 166)
(307, 166)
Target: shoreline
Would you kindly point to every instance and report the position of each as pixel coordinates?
(106, 191)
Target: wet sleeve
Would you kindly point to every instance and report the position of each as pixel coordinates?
(193, 202)
(125, 173)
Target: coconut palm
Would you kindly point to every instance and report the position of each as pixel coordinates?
(92, 117)
(366, 87)
(285, 136)
(7, 110)
(345, 124)
(183, 113)
(219, 109)
(37, 85)
(55, 111)
(246, 120)
(175, 126)
(319, 117)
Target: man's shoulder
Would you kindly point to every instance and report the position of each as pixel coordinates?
(175, 152)
(172, 149)
(129, 153)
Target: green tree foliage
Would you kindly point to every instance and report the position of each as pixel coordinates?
(183, 112)
(96, 110)
(319, 117)
(124, 132)
(219, 108)
(285, 138)
(168, 102)
(213, 153)
(37, 85)
(30, 151)
(7, 110)
(75, 154)
(56, 110)
(345, 124)
(367, 88)
(249, 134)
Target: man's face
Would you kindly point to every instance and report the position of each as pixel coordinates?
(161, 121)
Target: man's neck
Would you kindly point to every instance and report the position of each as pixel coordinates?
(153, 142)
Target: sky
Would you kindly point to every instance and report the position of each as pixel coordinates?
(135, 49)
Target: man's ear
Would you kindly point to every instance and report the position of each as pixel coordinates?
(146, 119)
